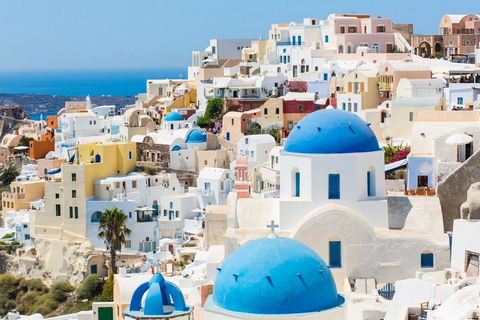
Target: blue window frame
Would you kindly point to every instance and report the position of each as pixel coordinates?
(427, 260)
(460, 100)
(335, 254)
(325, 76)
(297, 184)
(326, 39)
(369, 186)
(334, 186)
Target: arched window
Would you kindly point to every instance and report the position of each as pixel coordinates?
(96, 216)
(426, 260)
(340, 49)
(171, 126)
(371, 191)
(334, 186)
(277, 110)
(265, 111)
(335, 252)
(98, 158)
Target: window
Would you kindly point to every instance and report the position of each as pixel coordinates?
(27, 237)
(342, 30)
(460, 100)
(96, 216)
(325, 76)
(171, 205)
(427, 260)
(134, 184)
(57, 195)
(165, 213)
(221, 185)
(205, 162)
(74, 177)
(380, 29)
(58, 211)
(300, 107)
(410, 116)
(297, 184)
(334, 186)
(352, 29)
(93, 269)
(326, 39)
(177, 214)
(128, 243)
(25, 226)
(74, 193)
(130, 155)
(370, 183)
(117, 185)
(71, 212)
(335, 254)
(277, 110)
(265, 111)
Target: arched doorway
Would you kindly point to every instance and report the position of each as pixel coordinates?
(424, 49)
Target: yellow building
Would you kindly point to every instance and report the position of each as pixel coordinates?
(64, 217)
(21, 194)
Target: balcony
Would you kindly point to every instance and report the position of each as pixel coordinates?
(9, 195)
(289, 43)
(204, 193)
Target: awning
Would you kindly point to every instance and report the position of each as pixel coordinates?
(396, 165)
(459, 139)
(54, 171)
(21, 148)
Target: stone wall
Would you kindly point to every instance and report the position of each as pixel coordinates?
(164, 151)
(452, 191)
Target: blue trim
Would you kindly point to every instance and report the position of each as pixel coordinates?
(427, 260)
(297, 184)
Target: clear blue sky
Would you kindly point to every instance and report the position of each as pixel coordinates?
(105, 34)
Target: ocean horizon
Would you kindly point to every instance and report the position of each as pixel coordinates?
(112, 82)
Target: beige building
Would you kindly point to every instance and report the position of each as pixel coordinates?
(135, 122)
(403, 113)
(391, 73)
(235, 125)
(361, 89)
(21, 194)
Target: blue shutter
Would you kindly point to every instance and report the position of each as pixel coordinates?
(427, 260)
(297, 184)
(335, 253)
(334, 186)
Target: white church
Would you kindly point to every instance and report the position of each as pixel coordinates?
(333, 200)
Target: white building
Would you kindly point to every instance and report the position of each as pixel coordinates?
(256, 147)
(213, 185)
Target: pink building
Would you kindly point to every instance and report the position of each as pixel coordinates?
(360, 30)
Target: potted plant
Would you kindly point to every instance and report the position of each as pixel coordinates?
(430, 191)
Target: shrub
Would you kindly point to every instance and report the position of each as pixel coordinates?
(149, 170)
(107, 294)
(8, 236)
(60, 291)
(90, 287)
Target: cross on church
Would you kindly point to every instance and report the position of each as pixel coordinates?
(272, 227)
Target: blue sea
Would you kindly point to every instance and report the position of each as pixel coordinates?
(84, 82)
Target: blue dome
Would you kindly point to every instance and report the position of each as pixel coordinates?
(196, 136)
(162, 297)
(275, 276)
(331, 131)
(173, 116)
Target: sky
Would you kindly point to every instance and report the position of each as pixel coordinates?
(144, 34)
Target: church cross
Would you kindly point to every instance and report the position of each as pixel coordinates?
(272, 227)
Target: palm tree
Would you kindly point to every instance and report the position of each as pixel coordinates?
(113, 229)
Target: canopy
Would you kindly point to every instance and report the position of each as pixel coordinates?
(54, 171)
(459, 139)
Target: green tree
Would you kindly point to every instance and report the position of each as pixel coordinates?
(214, 109)
(90, 287)
(8, 173)
(113, 229)
(25, 141)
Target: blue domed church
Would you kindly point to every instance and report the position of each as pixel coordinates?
(274, 278)
(333, 200)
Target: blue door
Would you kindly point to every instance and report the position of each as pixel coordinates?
(299, 40)
(228, 136)
(335, 253)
